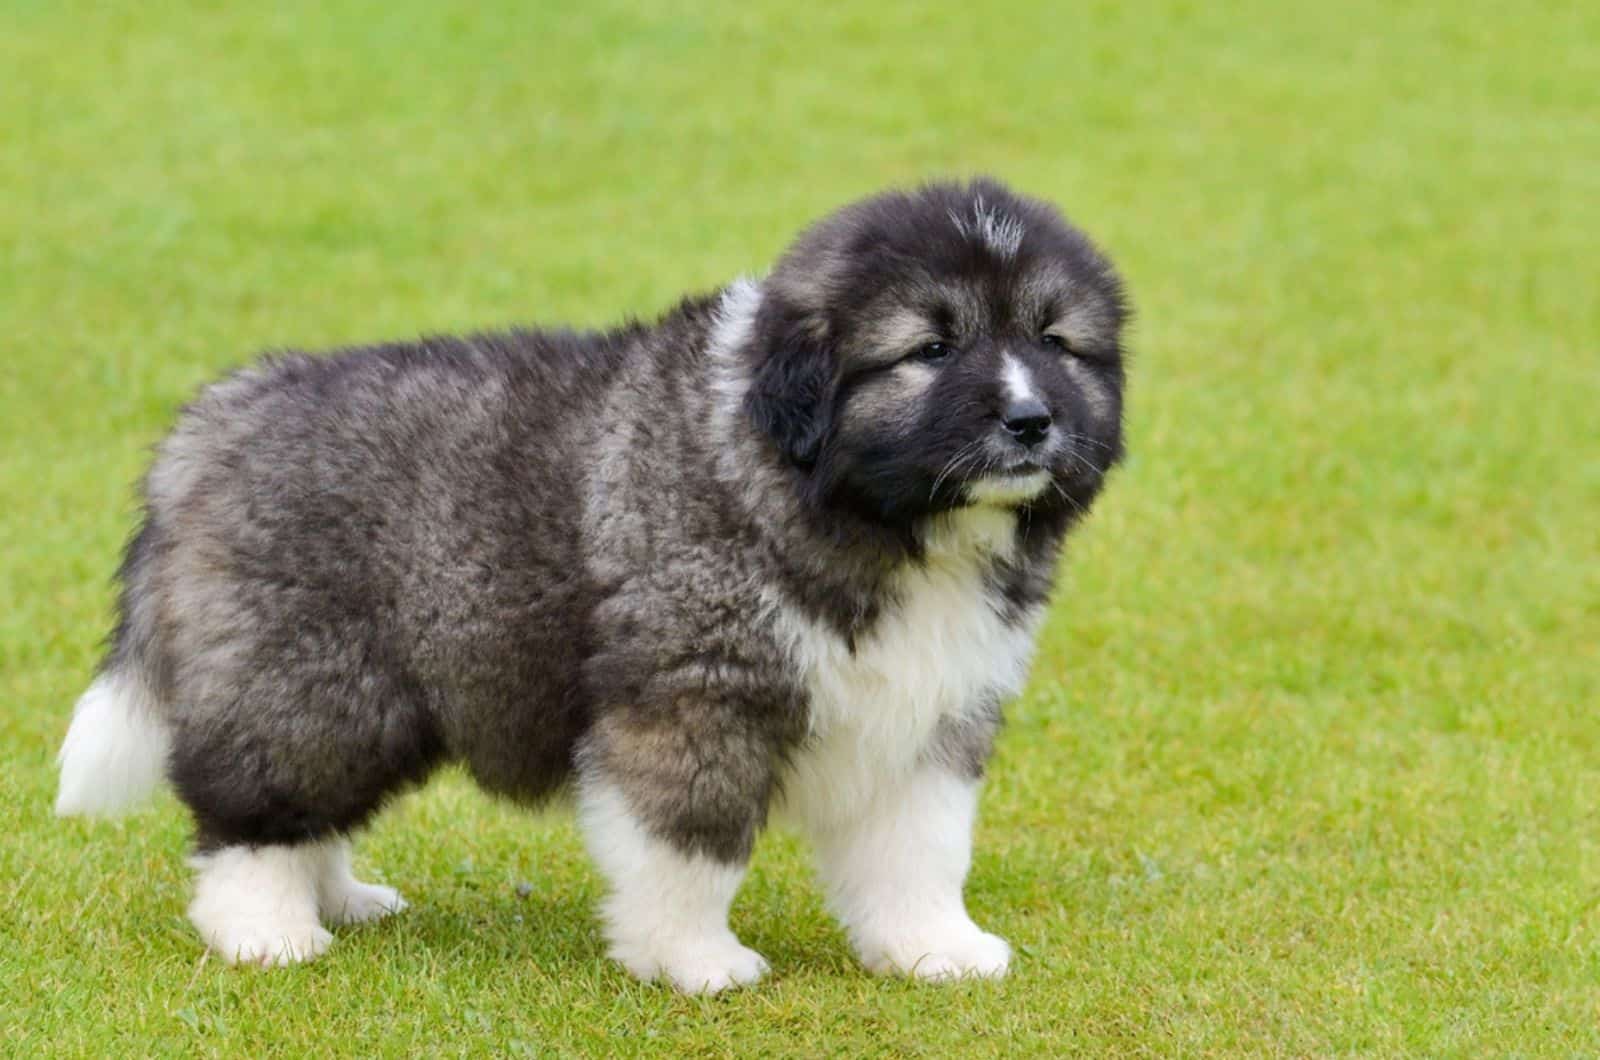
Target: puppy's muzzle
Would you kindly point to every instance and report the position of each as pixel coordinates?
(1028, 421)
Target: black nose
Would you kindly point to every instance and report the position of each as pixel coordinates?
(1028, 421)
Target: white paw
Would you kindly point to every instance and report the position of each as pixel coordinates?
(267, 943)
(957, 952)
(701, 966)
(356, 903)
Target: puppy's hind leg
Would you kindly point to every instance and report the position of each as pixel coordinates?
(277, 773)
(258, 904)
(343, 899)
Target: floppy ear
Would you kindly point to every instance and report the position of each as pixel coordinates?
(791, 393)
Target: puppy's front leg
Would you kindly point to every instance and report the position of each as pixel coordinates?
(894, 874)
(670, 815)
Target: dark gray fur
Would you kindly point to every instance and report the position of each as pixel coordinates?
(534, 551)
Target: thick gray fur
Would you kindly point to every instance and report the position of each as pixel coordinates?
(537, 551)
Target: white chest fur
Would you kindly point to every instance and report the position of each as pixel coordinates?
(943, 650)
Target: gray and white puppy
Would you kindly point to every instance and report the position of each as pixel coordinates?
(784, 551)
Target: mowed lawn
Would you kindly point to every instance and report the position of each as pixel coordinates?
(1310, 761)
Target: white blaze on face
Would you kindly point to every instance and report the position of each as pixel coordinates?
(1019, 382)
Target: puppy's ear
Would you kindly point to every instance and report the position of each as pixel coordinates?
(792, 390)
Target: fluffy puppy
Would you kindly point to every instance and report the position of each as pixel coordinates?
(783, 551)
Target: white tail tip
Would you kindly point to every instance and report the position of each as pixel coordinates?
(115, 752)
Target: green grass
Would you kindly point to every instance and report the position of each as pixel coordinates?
(1309, 762)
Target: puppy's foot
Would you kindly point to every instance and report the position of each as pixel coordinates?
(354, 902)
(258, 905)
(952, 951)
(697, 966)
(268, 944)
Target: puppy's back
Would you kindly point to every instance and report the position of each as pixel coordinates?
(358, 564)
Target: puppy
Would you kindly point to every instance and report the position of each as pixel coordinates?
(784, 551)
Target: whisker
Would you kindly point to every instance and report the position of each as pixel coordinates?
(1086, 440)
(961, 454)
(1086, 462)
(988, 465)
(1068, 497)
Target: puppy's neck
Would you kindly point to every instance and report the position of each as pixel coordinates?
(974, 533)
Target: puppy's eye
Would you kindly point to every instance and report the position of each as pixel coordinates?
(1056, 342)
(933, 351)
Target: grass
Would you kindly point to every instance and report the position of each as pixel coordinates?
(1308, 763)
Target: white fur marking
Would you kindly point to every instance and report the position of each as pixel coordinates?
(894, 873)
(943, 650)
(667, 913)
(258, 905)
(116, 748)
(735, 316)
(999, 233)
(1008, 491)
(1019, 383)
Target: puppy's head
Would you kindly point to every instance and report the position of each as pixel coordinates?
(957, 345)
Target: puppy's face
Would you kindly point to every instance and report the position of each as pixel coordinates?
(955, 346)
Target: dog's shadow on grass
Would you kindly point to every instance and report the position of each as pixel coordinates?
(556, 931)
(553, 929)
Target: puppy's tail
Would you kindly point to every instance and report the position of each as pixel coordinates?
(115, 753)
